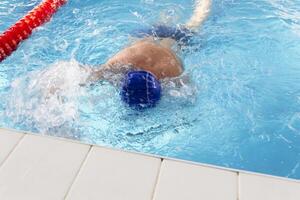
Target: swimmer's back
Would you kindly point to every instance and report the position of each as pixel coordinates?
(149, 56)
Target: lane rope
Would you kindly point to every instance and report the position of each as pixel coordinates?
(21, 30)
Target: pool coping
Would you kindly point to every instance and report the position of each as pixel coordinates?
(156, 156)
(167, 163)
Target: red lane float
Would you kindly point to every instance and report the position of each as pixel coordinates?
(12, 37)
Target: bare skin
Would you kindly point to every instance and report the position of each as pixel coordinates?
(149, 56)
(155, 57)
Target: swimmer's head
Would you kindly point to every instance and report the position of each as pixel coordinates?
(140, 89)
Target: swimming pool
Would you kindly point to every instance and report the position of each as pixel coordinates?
(242, 109)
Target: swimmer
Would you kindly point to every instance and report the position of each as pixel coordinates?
(151, 59)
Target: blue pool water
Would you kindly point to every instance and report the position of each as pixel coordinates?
(241, 109)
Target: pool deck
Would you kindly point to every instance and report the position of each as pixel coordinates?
(34, 167)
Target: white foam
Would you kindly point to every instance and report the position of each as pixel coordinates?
(48, 98)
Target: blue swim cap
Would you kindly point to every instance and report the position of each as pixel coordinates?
(140, 89)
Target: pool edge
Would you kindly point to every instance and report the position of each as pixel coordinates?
(190, 172)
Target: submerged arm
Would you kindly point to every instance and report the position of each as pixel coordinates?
(201, 11)
(108, 72)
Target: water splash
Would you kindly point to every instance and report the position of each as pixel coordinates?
(47, 98)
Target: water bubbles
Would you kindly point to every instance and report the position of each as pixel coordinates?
(61, 45)
(75, 11)
(148, 1)
(171, 15)
(180, 89)
(243, 92)
(48, 98)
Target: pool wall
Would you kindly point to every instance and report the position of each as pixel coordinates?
(43, 167)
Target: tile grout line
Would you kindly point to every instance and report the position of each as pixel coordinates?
(12, 150)
(159, 157)
(78, 171)
(199, 164)
(157, 178)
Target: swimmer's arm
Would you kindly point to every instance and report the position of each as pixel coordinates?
(106, 72)
(53, 89)
(201, 11)
(95, 75)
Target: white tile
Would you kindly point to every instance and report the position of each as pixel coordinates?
(40, 168)
(180, 181)
(115, 175)
(255, 187)
(8, 140)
